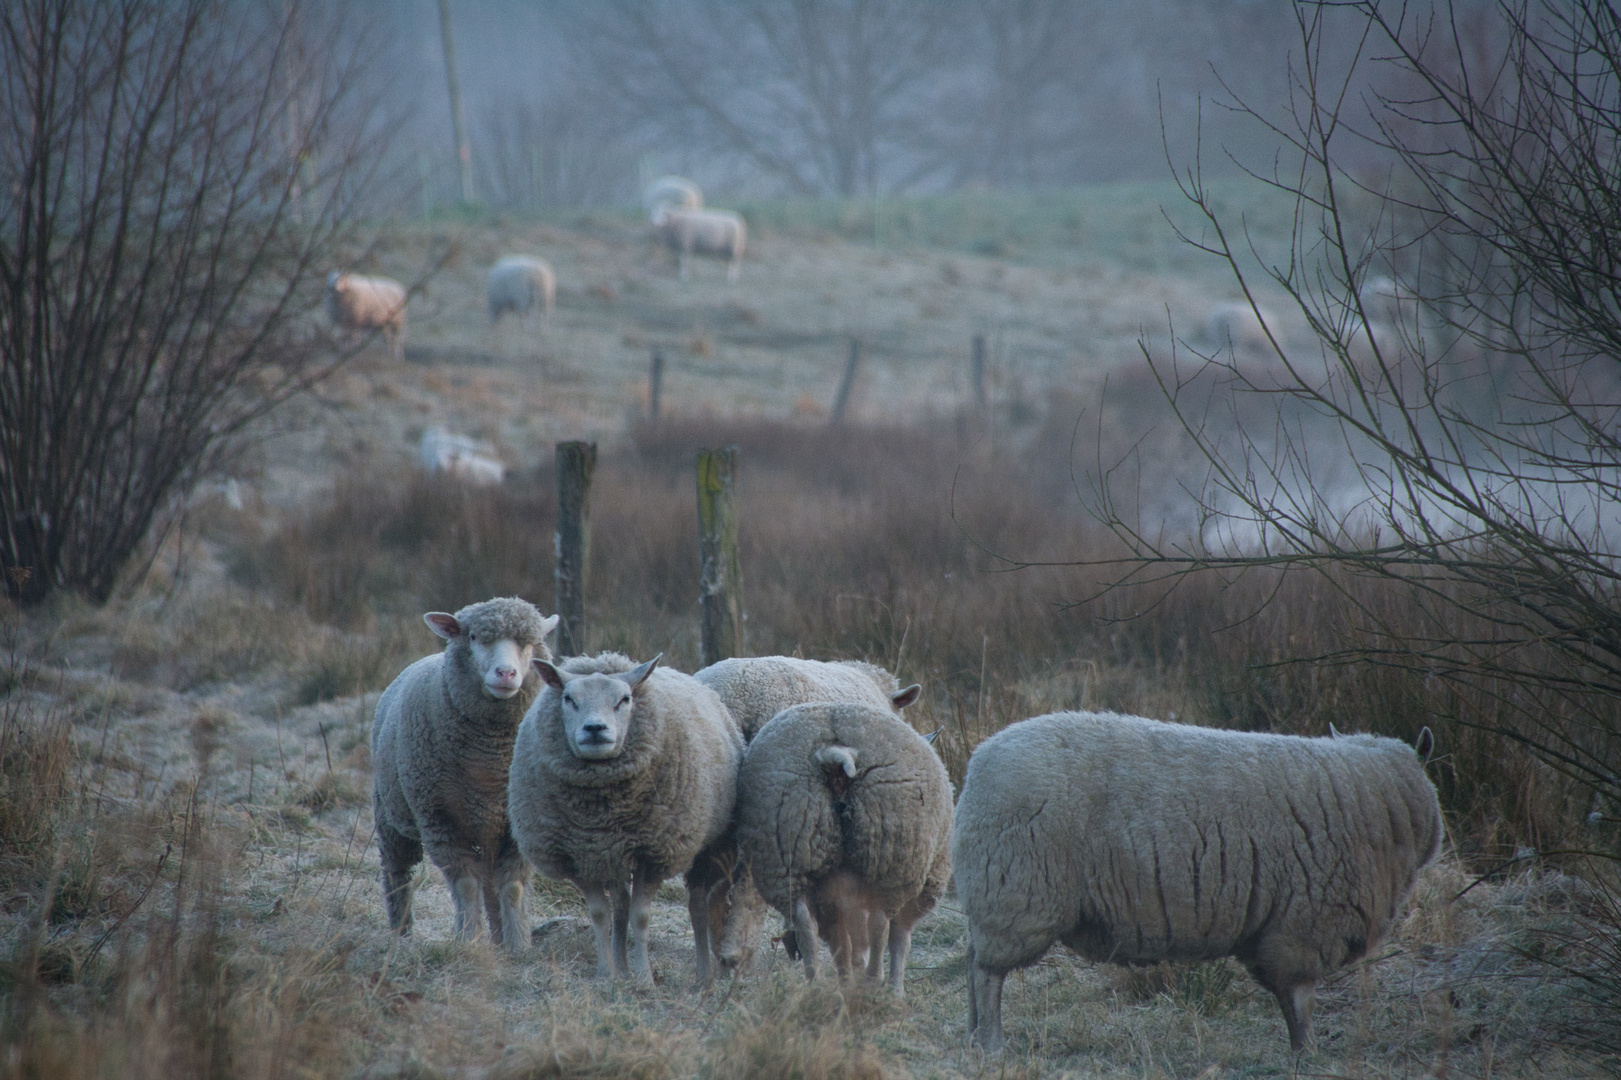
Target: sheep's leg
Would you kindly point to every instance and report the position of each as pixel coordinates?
(681, 262)
(698, 901)
(900, 947)
(1295, 1001)
(598, 906)
(464, 892)
(733, 267)
(509, 918)
(400, 855)
(985, 1006)
(878, 931)
(641, 904)
(805, 935)
(620, 893)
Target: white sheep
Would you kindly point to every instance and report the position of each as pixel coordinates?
(441, 743)
(667, 191)
(625, 774)
(1236, 325)
(521, 284)
(844, 824)
(465, 458)
(757, 688)
(1135, 841)
(720, 233)
(355, 302)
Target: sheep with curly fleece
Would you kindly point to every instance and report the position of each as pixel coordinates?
(441, 744)
(844, 822)
(625, 774)
(1135, 841)
(757, 688)
(355, 302)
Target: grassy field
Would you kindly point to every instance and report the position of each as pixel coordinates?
(188, 882)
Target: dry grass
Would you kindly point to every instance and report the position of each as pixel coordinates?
(188, 884)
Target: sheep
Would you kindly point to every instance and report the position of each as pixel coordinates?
(627, 772)
(520, 284)
(758, 688)
(354, 302)
(441, 742)
(675, 191)
(1236, 325)
(720, 233)
(844, 824)
(459, 456)
(1135, 841)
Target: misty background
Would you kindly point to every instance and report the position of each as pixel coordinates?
(576, 103)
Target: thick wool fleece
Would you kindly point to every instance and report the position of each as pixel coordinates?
(1132, 840)
(441, 747)
(757, 688)
(890, 823)
(648, 812)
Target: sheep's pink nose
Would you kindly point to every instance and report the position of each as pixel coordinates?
(506, 674)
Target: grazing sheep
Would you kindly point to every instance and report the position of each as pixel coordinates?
(1135, 841)
(758, 688)
(844, 821)
(701, 232)
(625, 773)
(354, 302)
(441, 743)
(668, 191)
(1235, 325)
(459, 456)
(520, 284)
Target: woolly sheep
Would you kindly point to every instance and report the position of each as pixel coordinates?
(1235, 324)
(720, 233)
(441, 743)
(1135, 841)
(520, 284)
(844, 823)
(667, 191)
(758, 688)
(460, 456)
(627, 773)
(354, 302)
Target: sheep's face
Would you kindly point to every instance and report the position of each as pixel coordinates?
(501, 661)
(596, 709)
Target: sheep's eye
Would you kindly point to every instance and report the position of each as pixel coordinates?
(569, 701)
(625, 700)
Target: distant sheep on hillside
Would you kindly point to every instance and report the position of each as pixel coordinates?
(355, 302)
(521, 284)
(717, 233)
(668, 191)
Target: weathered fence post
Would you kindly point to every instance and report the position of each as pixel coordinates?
(720, 574)
(842, 399)
(655, 384)
(576, 461)
(976, 372)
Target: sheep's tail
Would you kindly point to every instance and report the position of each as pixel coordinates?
(838, 768)
(837, 758)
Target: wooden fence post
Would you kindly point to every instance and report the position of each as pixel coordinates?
(842, 399)
(576, 461)
(720, 574)
(655, 384)
(976, 372)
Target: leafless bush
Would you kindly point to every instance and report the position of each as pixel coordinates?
(174, 179)
(1471, 461)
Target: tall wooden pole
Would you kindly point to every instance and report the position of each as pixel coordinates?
(720, 574)
(458, 118)
(841, 400)
(976, 372)
(576, 461)
(655, 384)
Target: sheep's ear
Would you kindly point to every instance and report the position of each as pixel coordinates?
(638, 674)
(902, 698)
(933, 735)
(547, 625)
(548, 672)
(1425, 744)
(444, 624)
(1333, 732)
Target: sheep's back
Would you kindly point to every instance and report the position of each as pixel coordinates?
(892, 825)
(757, 688)
(1134, 840)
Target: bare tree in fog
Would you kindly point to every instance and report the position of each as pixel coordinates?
(558, 149)
(174, 177)
(823, 95)
(1466, 302)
